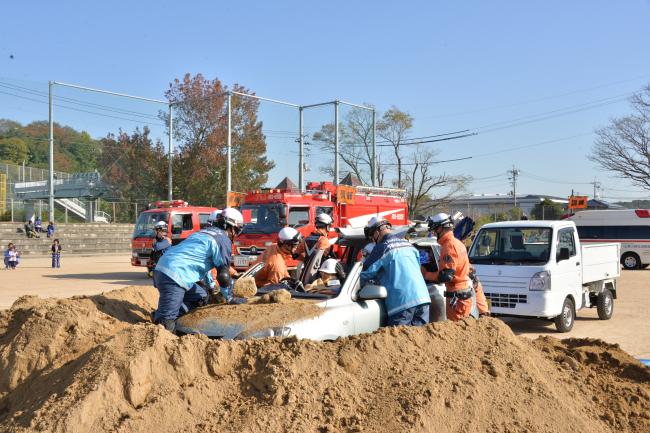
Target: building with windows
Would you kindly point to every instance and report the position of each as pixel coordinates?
(475, 206)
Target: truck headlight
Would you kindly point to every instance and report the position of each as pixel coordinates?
(281, 331)
(540, 281)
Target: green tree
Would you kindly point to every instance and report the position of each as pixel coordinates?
(13, 150)
(547, 210)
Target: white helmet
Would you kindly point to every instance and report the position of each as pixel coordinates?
(214, 215)
(323, 220)
(231, 217)
(328, 266)
(373, 225)
(440, 220)
(289, 235)
(160, 225)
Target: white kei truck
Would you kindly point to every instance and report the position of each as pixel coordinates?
(539, 269)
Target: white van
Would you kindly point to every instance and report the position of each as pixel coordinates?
(629, 227)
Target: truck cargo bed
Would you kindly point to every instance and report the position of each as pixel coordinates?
(600, 262)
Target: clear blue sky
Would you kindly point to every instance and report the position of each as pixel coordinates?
(452, 65)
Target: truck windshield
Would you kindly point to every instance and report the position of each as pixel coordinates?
(263, 218)
(511, 245)
(146, 221)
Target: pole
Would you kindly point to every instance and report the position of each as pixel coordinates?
(169, 169)
(301, 152)
(51, 158)
(229, 157)
(336, 142)
(373, 166)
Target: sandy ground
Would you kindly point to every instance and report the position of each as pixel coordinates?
(78, 275)
(629, 327)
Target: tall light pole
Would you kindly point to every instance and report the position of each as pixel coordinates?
(169, 169)
(51, 158)
(336, 142)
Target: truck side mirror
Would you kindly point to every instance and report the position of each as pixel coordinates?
(283, 212)
(563, 254)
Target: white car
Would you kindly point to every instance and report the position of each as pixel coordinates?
(354, 310)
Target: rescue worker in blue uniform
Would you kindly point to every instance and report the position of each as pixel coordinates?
(184, 272)
(161, 243)
(395, 263)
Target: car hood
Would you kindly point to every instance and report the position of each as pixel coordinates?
(232, 321)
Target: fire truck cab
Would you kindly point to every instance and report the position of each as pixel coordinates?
(269, 210)
(182, 220)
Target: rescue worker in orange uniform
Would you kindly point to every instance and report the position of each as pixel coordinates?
(275, 256)
(317, 240)
(453, 269)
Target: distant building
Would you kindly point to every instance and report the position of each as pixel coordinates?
(491, 204)
(596, 203)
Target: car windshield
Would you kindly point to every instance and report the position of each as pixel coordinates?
(146, 221)
(264, 218)
(511, 245)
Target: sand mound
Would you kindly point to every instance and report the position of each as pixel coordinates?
(473, 376)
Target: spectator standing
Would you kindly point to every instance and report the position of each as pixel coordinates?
(56, 254)
(50, 229)
(12, 256)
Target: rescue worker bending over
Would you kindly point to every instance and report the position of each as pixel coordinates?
(189, 262)
(453, 269)
(161, 243)
(275, 256)
(396, 264)
(317, 240)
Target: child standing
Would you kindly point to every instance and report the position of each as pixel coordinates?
(11, 256)
(56, 254)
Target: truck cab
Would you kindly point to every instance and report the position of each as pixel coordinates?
(540, 269)
(182, 220)
(267, 211)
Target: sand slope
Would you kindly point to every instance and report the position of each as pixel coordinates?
(93, 364)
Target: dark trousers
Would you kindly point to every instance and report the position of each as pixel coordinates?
(56, 260)
(174, 300)
(414, 316)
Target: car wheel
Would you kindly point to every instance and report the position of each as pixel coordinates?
(605, 304)
(564, 322)
(630, 261)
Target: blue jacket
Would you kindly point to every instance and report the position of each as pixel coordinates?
(193, 259)
(396, 264)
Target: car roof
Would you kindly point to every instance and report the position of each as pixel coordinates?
(529, 224)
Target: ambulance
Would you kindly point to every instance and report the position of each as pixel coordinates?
(267, 211)
(629, 227)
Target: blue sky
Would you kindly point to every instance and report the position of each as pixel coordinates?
(452, 65)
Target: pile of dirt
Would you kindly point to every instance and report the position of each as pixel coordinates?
(87, 367)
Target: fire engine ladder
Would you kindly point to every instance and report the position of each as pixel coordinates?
(374, 190)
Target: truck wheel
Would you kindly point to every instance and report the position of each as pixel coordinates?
(605, 304)
(564, 322)
(630, 261)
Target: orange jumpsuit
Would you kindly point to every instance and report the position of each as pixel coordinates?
(453, 255)
(275, 266)
(317, 243)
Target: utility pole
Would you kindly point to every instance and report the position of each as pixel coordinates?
(597, 187)
(514, 173)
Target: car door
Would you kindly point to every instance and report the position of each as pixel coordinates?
(567, 278)
(368, 315)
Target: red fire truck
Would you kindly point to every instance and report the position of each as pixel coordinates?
(267, 211)
(182, 220)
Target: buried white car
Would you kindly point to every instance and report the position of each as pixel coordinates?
(354, 310)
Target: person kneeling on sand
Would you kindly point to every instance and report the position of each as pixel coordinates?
(328, 283)
(177, 271)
